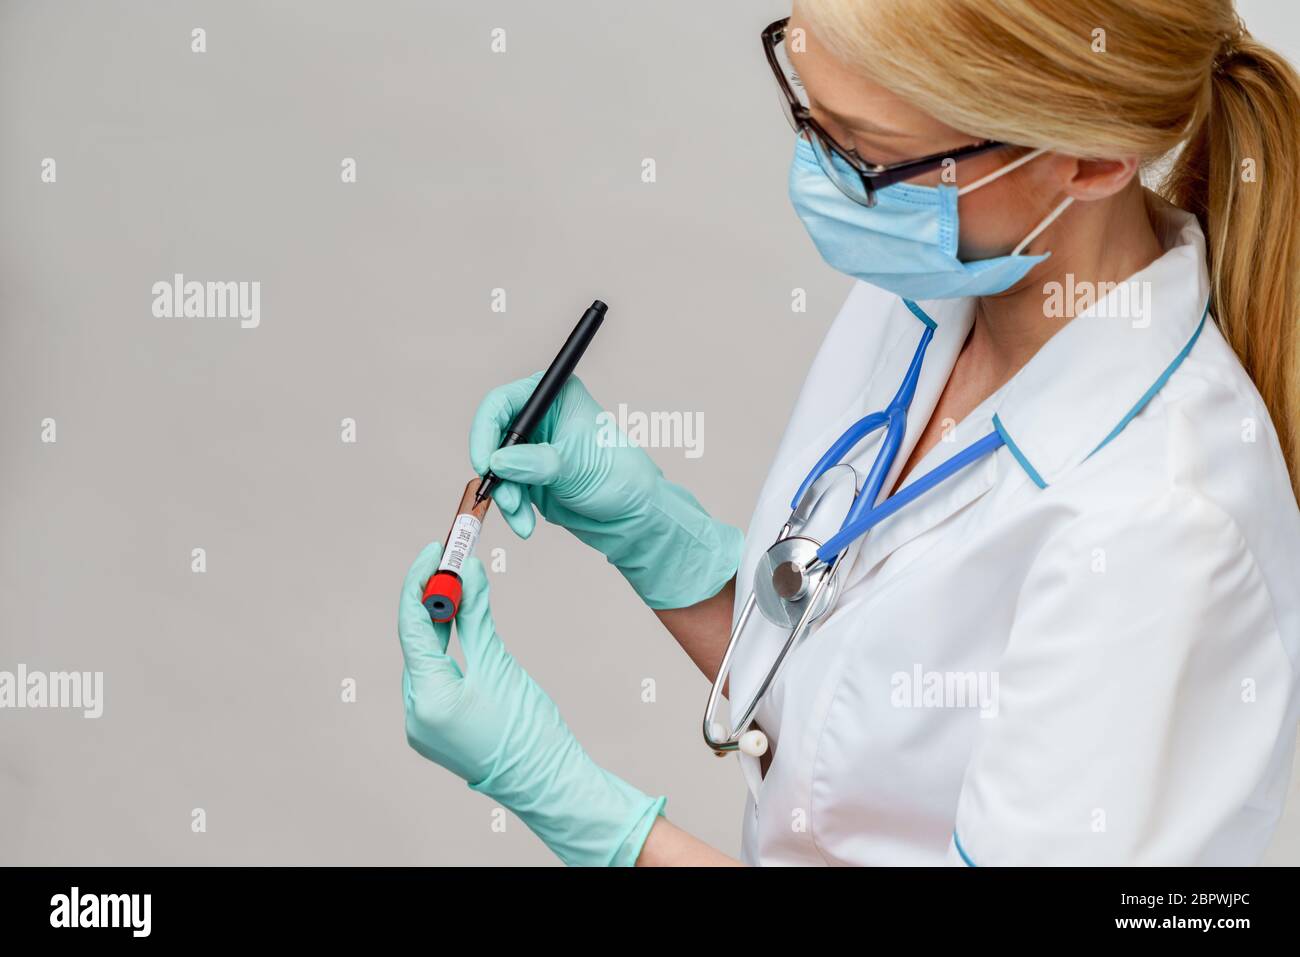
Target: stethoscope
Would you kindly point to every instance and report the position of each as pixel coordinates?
(795, 582)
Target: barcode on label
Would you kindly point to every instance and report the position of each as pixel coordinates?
(460, 543)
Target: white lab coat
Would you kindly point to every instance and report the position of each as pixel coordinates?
(1125, 625)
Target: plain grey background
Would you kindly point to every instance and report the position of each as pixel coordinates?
(476, 171)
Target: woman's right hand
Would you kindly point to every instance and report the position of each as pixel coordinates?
(582, 473)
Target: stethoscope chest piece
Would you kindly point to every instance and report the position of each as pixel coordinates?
(782, 588)
(790, 585)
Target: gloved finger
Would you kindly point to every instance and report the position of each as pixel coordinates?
(523, 519)
(424, 644)
(539, 464)
(507, 495)
(427, 702)
(474, 622)
(493, 417)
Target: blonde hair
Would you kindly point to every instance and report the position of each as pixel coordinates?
(1098, 78)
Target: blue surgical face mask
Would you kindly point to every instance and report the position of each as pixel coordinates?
(907, 242)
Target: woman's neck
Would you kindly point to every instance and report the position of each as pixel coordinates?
(1106, 241)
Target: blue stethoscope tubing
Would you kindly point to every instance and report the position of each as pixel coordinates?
(863, 515)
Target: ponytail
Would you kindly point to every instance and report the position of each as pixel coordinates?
(1240, 175)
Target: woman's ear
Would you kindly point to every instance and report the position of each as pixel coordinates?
(1097, 179)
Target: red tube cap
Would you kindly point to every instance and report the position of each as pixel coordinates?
(442, 596)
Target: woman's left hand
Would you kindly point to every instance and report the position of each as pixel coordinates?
(495, 727)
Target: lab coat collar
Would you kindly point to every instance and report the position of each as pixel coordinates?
(1098, 372)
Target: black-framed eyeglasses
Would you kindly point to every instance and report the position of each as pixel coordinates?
(855, 177)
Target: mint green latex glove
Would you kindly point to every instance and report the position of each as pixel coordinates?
(610, 494)
(495, 727)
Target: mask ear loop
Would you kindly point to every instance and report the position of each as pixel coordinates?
(998, 174)
(1055, 215)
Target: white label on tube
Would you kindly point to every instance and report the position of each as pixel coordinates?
(460, 544)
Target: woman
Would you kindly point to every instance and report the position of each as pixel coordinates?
(1111, 572)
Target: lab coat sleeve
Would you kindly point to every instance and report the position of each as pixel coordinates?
(1140, 697)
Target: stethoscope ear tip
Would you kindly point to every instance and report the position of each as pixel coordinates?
(753, 743)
